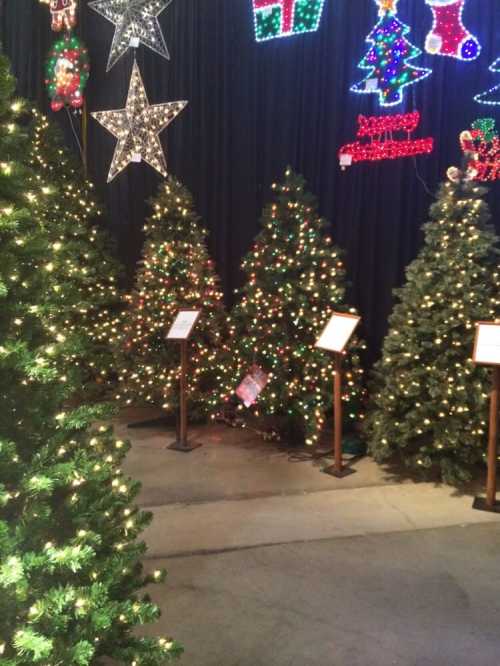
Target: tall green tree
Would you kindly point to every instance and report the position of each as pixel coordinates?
(176, 272)
(70, 574)
(295, 279)
(429, 402)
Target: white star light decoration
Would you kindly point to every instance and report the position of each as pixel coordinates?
(135, 21)
(137, 128)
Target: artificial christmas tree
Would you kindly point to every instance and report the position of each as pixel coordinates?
(82, 302)
(70, 573)
(388, 60)
(429, 405)
(295, 279)
(176, 272)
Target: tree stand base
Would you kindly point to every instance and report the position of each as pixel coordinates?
(480, 505)
(185, 447)
(345, 471)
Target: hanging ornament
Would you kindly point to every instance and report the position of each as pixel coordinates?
(63, 14)
(481, 146)
(491, 96)
(449, 36)
(382, 145)
(282, 18)
(136, 22)
(388, 60)
(137, 128)
(67, 72)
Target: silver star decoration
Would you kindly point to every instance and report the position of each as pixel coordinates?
(137, 128)
(135, 21)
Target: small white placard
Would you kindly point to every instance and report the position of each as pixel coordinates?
(345, 160)
(337, 332)
(134, 42)
(137, 157)
(183, 325)
(371, 85)
(487, 344)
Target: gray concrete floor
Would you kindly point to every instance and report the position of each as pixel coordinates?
(272, 563)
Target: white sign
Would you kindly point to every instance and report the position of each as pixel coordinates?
(345, 160)
(183, 325)
(135, 42)
(338, 332)
(371, 85)
(487, 345)
(136, 157)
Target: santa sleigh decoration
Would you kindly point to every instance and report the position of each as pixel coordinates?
(481, 146)
(381, 144)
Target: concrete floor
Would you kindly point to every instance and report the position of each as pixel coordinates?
(272, 563)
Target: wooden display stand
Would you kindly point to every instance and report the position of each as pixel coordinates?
(180, 331)
(335, 337)
(487, 352)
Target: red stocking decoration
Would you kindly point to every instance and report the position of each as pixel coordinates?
(449, 36)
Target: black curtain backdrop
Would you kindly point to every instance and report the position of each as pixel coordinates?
(256, 107)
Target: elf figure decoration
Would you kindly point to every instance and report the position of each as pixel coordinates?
(388, 59)
(281, 18)
(481, 146)
(67, 73)
(449, 36)
(63, 14)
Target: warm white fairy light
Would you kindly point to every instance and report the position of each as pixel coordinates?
(135, 21)
(137, 128)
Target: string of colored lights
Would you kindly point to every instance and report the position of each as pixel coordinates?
(481, 145)
(388, 60)
(449, 36)
(282, 18)
(67, 72)
(63, 13)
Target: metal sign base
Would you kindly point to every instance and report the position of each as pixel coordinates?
(185, 447)
(333, 471)
(480, 505)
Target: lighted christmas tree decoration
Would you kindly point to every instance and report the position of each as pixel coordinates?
(382, 144)
(66, 73)
(282, 18)
(63, 12)
(136, 22)
(429, 401)
(295, 279)
(491, 96)
(449, 36)
(388, 60)
(481, 145)
(137, 128)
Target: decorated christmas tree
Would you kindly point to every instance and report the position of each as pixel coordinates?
(82, 303)
(175, 272)
(389, 57)
(430, 403)
(70, 572)
(491, 96)
(295, 278)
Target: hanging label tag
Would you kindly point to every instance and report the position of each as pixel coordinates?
(252, 386)
(136, 157)
(371, 85)
(134, 42)
(345, 160)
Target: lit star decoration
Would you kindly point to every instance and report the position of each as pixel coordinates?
(135, 21)
(282, 18)
(137, 128)
(481, 145)
(66, 73)
(491, 96)
(382, 145)
(387, 61)
(449, 36)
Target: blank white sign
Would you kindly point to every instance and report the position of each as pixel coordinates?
(487, 347)
(338, 332)
(183, 324)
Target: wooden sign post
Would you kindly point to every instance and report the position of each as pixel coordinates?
(335, 337)
(180, 331)
(487, 352)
